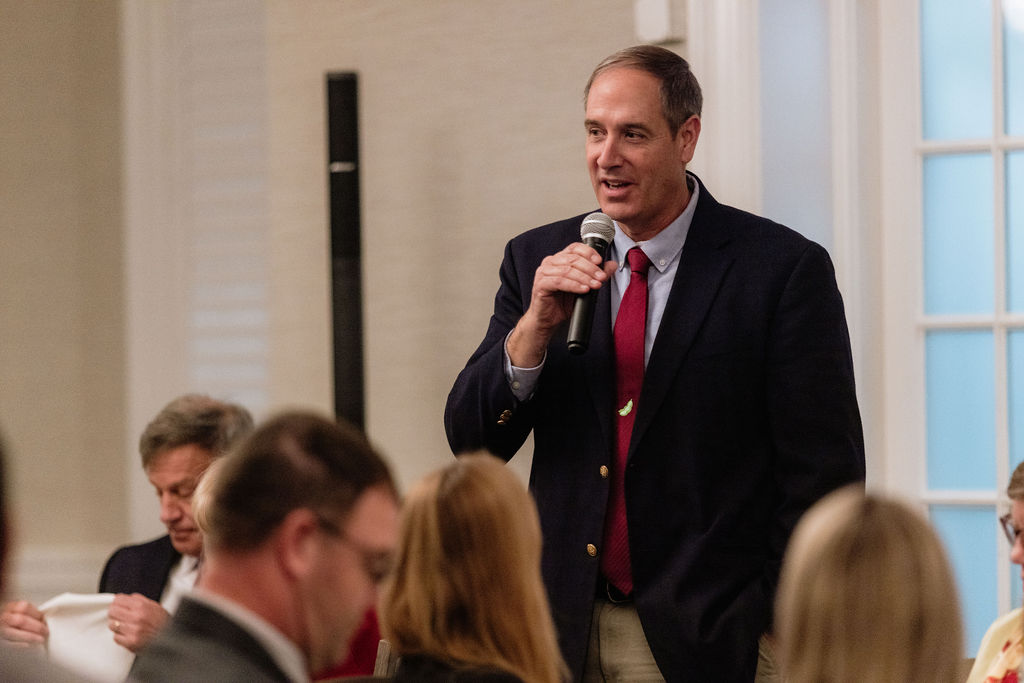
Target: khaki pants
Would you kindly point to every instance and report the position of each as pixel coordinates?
(618, 651)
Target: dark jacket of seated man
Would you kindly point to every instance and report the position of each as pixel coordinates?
(141, 568)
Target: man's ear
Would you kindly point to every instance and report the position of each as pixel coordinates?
(686, 138)
(296, 542)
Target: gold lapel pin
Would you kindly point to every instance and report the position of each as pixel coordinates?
(626, 409)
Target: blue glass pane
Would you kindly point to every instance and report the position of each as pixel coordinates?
(796, 142)
(1015, 230)
(956, 68)
(958, 234)
(1015, 370)
(960, 405)
(1013, 66)
(970, 537)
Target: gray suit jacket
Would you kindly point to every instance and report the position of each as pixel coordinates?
(30, 666)
(201, 644)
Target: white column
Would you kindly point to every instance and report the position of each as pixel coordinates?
(722, 50)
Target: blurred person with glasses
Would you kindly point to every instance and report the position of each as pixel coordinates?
(1001, 651)
(301, 523)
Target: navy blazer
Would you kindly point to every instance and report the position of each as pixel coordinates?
(747, 416)
(142, 568)
(201, 644)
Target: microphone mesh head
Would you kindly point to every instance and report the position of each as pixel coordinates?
(597, 225)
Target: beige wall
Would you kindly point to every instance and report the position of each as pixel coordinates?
(471, 131)
(61, 350)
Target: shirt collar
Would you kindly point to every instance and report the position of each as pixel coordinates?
(283, 651)
(180, 582)
(666, 246)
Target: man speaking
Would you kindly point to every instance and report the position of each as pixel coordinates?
(714, 404)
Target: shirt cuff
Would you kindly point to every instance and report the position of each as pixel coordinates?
(522, 381)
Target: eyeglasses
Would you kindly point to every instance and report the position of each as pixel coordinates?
(377, 564)
(1009, 528)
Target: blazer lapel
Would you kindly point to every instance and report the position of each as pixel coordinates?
(598, 363)
(703, 265)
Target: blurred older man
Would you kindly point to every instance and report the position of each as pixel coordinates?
(149, 579)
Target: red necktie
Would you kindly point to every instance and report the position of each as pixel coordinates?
(630, 325)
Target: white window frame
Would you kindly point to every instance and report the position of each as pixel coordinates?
(905, 324)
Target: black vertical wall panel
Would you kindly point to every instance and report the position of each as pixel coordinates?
(346, 266)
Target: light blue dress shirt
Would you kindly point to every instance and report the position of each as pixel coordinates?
(664, 251)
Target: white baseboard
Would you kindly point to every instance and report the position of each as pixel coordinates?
(39, 572)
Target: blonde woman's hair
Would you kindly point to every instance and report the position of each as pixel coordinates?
(1015, 488)
(201, 497)
(467, 588)
(866, 594)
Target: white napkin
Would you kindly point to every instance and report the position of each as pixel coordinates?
(80, 639)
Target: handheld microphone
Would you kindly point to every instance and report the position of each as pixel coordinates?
(596, 231)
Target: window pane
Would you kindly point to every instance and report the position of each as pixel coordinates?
(970, 537)
(956, 68)
(796, 142)
(958, 240)
(1015, 231)
(1013, 69)
(960, 404)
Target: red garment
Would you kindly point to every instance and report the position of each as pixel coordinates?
(362, 651)
(630, 326)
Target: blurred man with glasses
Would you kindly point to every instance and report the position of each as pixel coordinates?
(301, 523)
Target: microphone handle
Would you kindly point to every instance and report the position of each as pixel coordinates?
(581, 322)
(582, 319)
